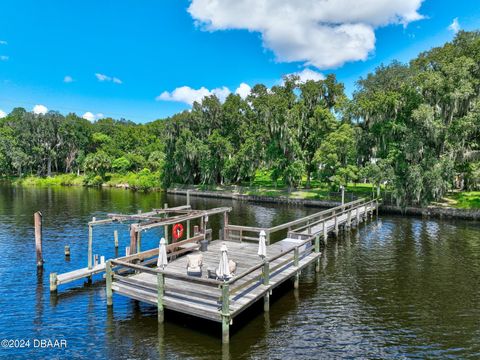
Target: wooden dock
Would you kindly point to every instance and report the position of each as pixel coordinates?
(255, 278)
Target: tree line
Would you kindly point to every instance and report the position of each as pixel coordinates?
(414, 128)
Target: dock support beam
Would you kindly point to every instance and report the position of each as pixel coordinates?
(266, 282)
(38, 238)
(53, 282)
(161, 289)
(225, 314)
(336, 224)
(108, 283)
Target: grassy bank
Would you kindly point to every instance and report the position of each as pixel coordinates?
(143, 180)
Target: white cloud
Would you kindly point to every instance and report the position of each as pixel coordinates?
(324, 34)
(92, 117)
(103, 77)
(2, 114)
(68, 79)
(454, 26)
(243, 90)
(309, 74)
(4, 57)
(188, 95)
(3, 42)
(40, 109)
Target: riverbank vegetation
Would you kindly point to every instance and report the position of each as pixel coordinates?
(413, 129)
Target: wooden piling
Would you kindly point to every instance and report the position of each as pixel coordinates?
(139, 242)
(295, 263)
(160, 292)
(325, 233)
(108, 282)
(225, 314)
(188, 221)
(317, 250)
(133, 238)
(266, 282)
(38, 238)
(67, 251)
(90, 245)
(115, 238)
(53, 282)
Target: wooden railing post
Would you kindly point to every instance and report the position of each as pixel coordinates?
(108, 282)
(266, 282)
(336, 223)
(139, 241)
(267, 239)
(225, 313)
(160, 294)
(376, 207)
(358, 216)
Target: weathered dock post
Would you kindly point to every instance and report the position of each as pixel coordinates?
(139, 241)
(133, 238)
(317, 250)
(349, 219)
(295, 264)
(108, 282)
(325, 233)
(225, 225)
(67, 251)
(188, 221)
(358, 216)
(53, 282)
(336, 223)
(266, 282)
(225, 313)
(115, 238)
(38, 238)
(160, 293)
(90, 244)
(376, 207)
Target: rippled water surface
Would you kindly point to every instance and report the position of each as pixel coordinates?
(394, 288)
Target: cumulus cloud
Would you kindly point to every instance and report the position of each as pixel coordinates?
(68, 79)
(243, 90)
(188, 95)
(324, 34)
(2, 114)
(4, 57)
(309, 74)
(3, 42)
(107, 78)
(40, 109)
(454, 26)
(92, 117)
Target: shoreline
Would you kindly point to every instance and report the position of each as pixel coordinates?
(430, 211)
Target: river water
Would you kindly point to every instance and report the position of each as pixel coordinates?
(394, 288)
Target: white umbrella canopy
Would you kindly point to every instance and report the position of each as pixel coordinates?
(262, 246)
(162, 254)
(223, 270)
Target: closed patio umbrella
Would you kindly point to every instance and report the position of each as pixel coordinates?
(223, 271)
(162, 254)
(262, 246)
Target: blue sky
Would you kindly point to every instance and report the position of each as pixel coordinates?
(126, 58)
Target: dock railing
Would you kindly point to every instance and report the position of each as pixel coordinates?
(248, 233)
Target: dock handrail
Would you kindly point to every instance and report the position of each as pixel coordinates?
(321, 216)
